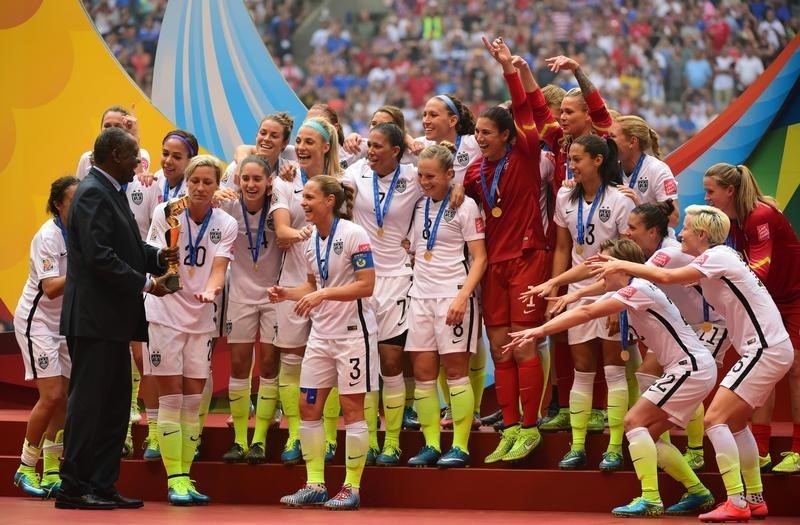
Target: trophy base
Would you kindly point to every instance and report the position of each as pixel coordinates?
(172, 282)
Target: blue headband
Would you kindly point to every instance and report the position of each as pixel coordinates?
(450, 104)
(313, 124)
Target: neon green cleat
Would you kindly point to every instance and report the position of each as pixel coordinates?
(558, 423)
(597, 421)
(765, 463)
(694, 458)
(507, 439)
(527, 440)
(790, 464)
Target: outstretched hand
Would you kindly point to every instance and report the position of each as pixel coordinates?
(562, 62)
(498, 49)
(208, 296)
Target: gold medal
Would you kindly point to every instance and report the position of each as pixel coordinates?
(625, 355)
(707, 326)
(579, 249)
(428, 255)
(380, 232)
(191, 272)
(496, 212)
(255, 266)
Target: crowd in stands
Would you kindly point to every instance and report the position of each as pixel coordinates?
(676, 63)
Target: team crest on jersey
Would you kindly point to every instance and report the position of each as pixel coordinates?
(449, 214)
(270, 224)
(155, 358)
(215, 235)
(343, 164)
(462, 157)
(228, 327)
(604, 214)
(48, 263)
(43, 361)
(642, 185)
(338, 247)
(627, 292)
(137, 197)
(402, 184)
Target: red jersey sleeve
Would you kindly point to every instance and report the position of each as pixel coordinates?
(601, 118)
(549, 130)
(527, 135)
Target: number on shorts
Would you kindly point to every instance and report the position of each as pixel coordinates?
(402, 304)
(737, 366)
(356, 373)
(664, 382)
(711, 340)
(458, 330)
(210, 348)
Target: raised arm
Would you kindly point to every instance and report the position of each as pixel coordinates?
(601, 118)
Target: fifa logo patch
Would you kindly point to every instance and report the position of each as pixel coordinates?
(155, 358)
(401, 186)
(642, 185)
(48, 263)
(137, 197)
(338, 247)
(215, 235)
(604, 214)
(43, 361)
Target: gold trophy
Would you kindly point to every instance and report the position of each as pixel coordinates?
(171, 211)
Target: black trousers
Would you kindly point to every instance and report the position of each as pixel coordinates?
(98, 409)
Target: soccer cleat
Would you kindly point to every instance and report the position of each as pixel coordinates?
(597, 421)
(291, 454)
(372, 455)
(476, 421)
(27, 479)
(574, 459)
(136, 416)
(330, 451)
(235, 454)
(426, 457)
(694, 458)
(558, 423)
(447, 418)
(276, 418)
(611, 461)
(639, 507)
(758, 511)
(410, 421)
(507, 439)
(765, 463)
(178, 492)
(152, 451)
(790, 464)
(127, 447)
(197, 448)
(51, 482)
(454, 458)
(492, 418)
(390, 457)
(692, 504)
(255, 454)
(527, 440)
(726, 511)
(346, 499)
(198, 498)
(307, 496)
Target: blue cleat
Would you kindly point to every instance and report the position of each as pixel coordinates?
(330, 451)
(178, 492)
(198, 498)
(27, 479)
(427, 457)
(291, 454)
(390, 457)
(372, 456)
(611, 461)
(639, 507)
(308, 496)
(51, 482)
(692, 505)
(574, 459)
(346, 499)
(410, 421)
(152, 452)
(454, 458)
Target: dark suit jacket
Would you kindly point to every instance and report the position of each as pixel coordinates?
(106, 265)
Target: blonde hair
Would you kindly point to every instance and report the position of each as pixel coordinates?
(204, 161)
(710, 220)
(636, 127)
(747, 194)
(553, 94)
(442, 153)
(624, 249)
(343, 194)
(331, 158)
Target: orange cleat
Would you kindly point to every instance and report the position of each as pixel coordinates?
(727, 511)
(758, 511)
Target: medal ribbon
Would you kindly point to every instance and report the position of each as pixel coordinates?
(303, 176)
(194, 246)
(581, 227)
(623, 329)
(635, 174)
(323, 267)
(432, 232)
(61, 227)
(498, 171)
(262, 220)
(165, 196)
(381, 214)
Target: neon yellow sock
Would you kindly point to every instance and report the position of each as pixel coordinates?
(170, 437)
(394, 393)
(51, 452)
(371, 417)
(265, 408)
(445, 391)
(312, 441)
(748, 460)
(289, 393)
(727, 455)
(671, 460)
(462, 405)
(239, 398)
(205, 401)
(631, 366)
(477, 376)
(617, 405)
(136, 379)
(427, 400)
(152, 425)
(409, 382)
(355, 442)
(643, 456)
(190, 429)
(580, 407)
(694, 429)
(330, 415)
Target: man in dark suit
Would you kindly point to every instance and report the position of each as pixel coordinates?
(103, 310)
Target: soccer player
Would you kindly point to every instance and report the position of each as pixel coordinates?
(758, 335)
(769, 244)
(342, 345)
(446, 117)
(444, 310)
(182, 324)
(689, 375)
(44, 351)
(117, 117)
(272, 141)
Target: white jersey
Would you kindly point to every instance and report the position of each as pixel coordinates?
(659, 325)
(736, 293)
(390, 257)
(229, 179)
(547, 169)
(610, 219)
(444, 274)
(181, 310)
(287, 196)
(467, 152)
(85, 163)
(36, 314)
(688, 299)
(655, 182)
(250, 280)
(350, 251)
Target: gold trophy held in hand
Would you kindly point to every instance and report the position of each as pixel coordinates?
(174, 208)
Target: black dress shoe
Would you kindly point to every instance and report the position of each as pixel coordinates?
(84, 502)
(121, 501)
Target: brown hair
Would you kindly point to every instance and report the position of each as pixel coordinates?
(747, 194)
(624, 249)
(343, 194)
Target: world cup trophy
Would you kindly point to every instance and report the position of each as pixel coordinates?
(174, 208)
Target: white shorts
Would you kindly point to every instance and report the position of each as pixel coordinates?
(292, 330)
(678, 392)
(594, 329)
(346, 363)
(716, 340)
(48, 352)
(175, 353)
(244, 320)
(391, 302)
(754, 376)
(431, 334)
